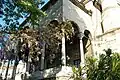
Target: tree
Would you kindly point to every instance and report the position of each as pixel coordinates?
(12, 11)
(16, 10)
(51, 35)
(54, 31)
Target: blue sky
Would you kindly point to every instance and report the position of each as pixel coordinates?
(2, 22)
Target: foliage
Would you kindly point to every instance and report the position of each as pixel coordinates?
(77, 72)
(16, 10)
(106, 68)
(3, 41)
(13, 11)
(30, 41)
(27, 43)
(52, 34)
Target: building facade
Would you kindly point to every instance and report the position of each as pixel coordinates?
(97, 27)
(96, 19)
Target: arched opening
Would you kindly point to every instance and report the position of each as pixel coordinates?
(52, 57)
(73, 48)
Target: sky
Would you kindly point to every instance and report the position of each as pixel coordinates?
(21, 20)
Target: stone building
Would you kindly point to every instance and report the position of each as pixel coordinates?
(98, 25)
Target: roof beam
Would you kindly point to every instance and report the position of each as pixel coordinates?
(97, 5)
(81, 6)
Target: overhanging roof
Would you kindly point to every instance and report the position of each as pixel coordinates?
(81, 6)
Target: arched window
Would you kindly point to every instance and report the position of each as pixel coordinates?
(52, 58)
(72, 47)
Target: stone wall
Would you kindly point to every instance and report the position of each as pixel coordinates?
(53, 12)
(110, 19)
(110, 14)
(107, 40)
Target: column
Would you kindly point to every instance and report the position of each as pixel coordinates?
(43, 57)
(2, 61)
(82, 64)
(63, 51)
(14, 68)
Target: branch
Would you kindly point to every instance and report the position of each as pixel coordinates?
(8, 32)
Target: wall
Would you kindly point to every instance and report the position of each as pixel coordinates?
(111, 14)
(72, 12)
(53, 12)
(110, 40)
(111, 23)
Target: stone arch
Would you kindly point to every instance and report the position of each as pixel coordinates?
(55, 22)
(87, 45)
(76, 27)
(72, 47)
(52, 58)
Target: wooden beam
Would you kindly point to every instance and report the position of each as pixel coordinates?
(81, 6)
(85, 1)
(97, 5)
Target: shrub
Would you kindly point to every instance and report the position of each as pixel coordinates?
(107, 67)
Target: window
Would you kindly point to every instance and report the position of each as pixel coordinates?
(52, 59)
(73, 47)
(72, 51)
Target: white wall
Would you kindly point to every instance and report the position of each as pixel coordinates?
(72, 12)
(111, 14)
(96, 20)
(84, 21)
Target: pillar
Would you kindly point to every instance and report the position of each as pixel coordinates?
(82, 55)
(63, 51)
(43, 57)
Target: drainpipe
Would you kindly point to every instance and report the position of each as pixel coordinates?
(82, 64)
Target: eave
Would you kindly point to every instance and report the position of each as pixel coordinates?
(81, 6)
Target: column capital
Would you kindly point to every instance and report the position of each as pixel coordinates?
(80, 35)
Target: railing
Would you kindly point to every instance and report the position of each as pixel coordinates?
(57, 72)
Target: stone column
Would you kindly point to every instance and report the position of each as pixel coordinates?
(8, 64)
(43, 57)
(82, 64)
(14, 68)
(2, 61)
(63, 51)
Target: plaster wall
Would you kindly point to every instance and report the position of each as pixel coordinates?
(111, 23)
(111, 14)
(108, 40)
(72, 12)
(54, 12)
